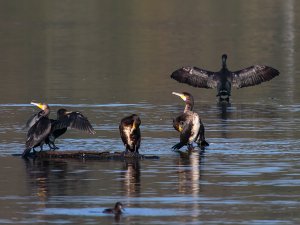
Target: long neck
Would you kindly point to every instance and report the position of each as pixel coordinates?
(45, 112)
(188, 107)
(224, 66)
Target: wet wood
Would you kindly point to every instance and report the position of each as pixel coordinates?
(90, 155)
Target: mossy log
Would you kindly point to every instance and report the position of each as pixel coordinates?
(89, 155)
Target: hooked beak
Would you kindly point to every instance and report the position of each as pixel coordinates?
(182, 96)
(133, 126)
(40, 105)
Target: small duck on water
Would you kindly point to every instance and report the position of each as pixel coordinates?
(117, 210)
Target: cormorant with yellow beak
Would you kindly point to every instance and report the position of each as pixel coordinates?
(189, 124)
(40, 128)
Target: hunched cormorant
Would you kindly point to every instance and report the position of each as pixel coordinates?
(189, 124)
(224, 79)
(130, 133)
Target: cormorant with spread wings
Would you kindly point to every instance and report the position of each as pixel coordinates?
(42, 130)
(64, 120)
(224, 79)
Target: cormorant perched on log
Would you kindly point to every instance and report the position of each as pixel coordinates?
(64, 120)
(130, 133)
(189, 124)
(40, 128)
(224, 79)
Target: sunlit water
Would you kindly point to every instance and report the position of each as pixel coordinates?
(248, 175)
(109, 59)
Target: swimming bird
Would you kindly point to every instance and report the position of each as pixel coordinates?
(224, 79)
(189, 124)
(64, 120)
(40, 128)
(118, 209)
(130, 133)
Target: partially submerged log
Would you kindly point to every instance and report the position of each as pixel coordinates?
(89, 155)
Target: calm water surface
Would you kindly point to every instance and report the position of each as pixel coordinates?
(109, 59)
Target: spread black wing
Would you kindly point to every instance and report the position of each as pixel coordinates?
(195, 77)
(253, 75)
(74, 120)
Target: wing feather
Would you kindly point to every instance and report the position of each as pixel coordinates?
(38, 132)
(74, 120)
(253, 75)
(195, 77)
(32, 120)
(186, 133)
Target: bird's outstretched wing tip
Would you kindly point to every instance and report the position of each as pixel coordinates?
(254, 75)
(195, 77)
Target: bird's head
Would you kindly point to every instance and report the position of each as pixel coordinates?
(42, 106)
(185, 96)
(224, 58)
(119, 207)
(136, 121)
(61, 112)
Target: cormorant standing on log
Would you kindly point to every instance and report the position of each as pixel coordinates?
(130, 133)
(40, 128)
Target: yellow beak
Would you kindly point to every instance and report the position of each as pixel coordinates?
(180, 95)
(133, 126)
(40, 105)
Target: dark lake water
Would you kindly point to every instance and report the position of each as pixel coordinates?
(109, 59)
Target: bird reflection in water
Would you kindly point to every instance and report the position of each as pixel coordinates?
(224, 109)
(40, 173)
(225, 112)
(42, 179)
(189, 176)
(131, 181)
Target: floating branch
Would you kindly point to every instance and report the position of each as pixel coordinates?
(88, 155)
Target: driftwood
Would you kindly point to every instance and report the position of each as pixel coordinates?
(89, 155)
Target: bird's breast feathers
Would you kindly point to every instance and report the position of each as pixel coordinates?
(195, 128)
(127, 132)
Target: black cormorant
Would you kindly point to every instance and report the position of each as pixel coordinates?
(224, 79)
(130, 133)
(189, 124)
(64, 120)
(40, 128)
(118, 209)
